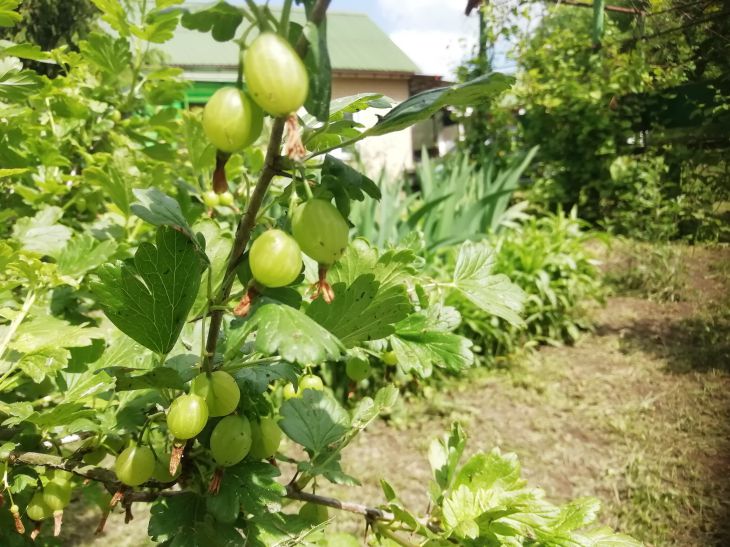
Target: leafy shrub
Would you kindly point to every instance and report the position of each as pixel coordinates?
(651, 270)
(484, 501)
(454, 200)
(549, 258)
(147, 319)
(663, 101)
(636, 203)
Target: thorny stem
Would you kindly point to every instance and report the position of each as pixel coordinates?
(248, 220)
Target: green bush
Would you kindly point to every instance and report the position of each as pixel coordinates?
(549, 258)
(650, 270)
(632, 132)
(455, 200)
(636, 203)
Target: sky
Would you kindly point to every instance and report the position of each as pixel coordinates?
(435, 34)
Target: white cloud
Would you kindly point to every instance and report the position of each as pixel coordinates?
(435, 52)
(434, 33)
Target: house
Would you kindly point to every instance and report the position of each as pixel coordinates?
(363, 59)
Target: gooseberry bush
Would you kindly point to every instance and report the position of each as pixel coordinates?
(173, 283)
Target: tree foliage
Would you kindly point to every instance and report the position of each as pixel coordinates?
(654, 88)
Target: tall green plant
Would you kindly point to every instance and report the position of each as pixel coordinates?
(456, 200)
(548, 257)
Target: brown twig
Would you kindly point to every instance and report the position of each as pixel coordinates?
(372, 513)
(158, 490)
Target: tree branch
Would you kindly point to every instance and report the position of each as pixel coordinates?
(248, 220)
(109, 479)
(371, 513)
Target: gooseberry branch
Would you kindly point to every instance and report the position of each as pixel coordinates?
(248, 220)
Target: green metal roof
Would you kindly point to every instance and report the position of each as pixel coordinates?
(355, 43)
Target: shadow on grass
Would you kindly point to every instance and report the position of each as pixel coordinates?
(700, 343)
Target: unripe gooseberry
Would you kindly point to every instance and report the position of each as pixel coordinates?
(37, 508)
(220, 391)
(135, 465)
(275, 259)
(275, 75)
(187, 416)
(231, 120)
(320, 230)
(230, 441)
(266, 438)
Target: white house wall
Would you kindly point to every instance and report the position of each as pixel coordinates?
(393, 152)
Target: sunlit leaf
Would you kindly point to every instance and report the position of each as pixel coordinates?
(149, 298)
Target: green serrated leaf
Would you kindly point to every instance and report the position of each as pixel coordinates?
(444, 456)
(225, 505)
(40, 345)
(62, 414)
(605, 537)
(330, 468)
(221, 20)
(110, 55)
(29, 51)
(495, 294)
(419, 347)
(159, 26)
(388, 490)
(291, 334)
(259, 377)
(173, 515)
(358, 102)
(49, 331)
(114, 14)
(84, 253)
(8, 15)
(218, 244)
(150, 297)
(13, 172)
(342, 180)
(319, 68)
(577, 514)
(425, 104)
(484, 471)
(159, 209)
(315, 421)
(41, 233)
(200, 153)
(257, 485)
(111, 181)
(43, 361)
(361, 311)
(86, 385)
(394, 267)
(121, 350)
(18, 412)
(16, 83)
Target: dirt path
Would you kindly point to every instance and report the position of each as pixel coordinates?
(637, 414)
